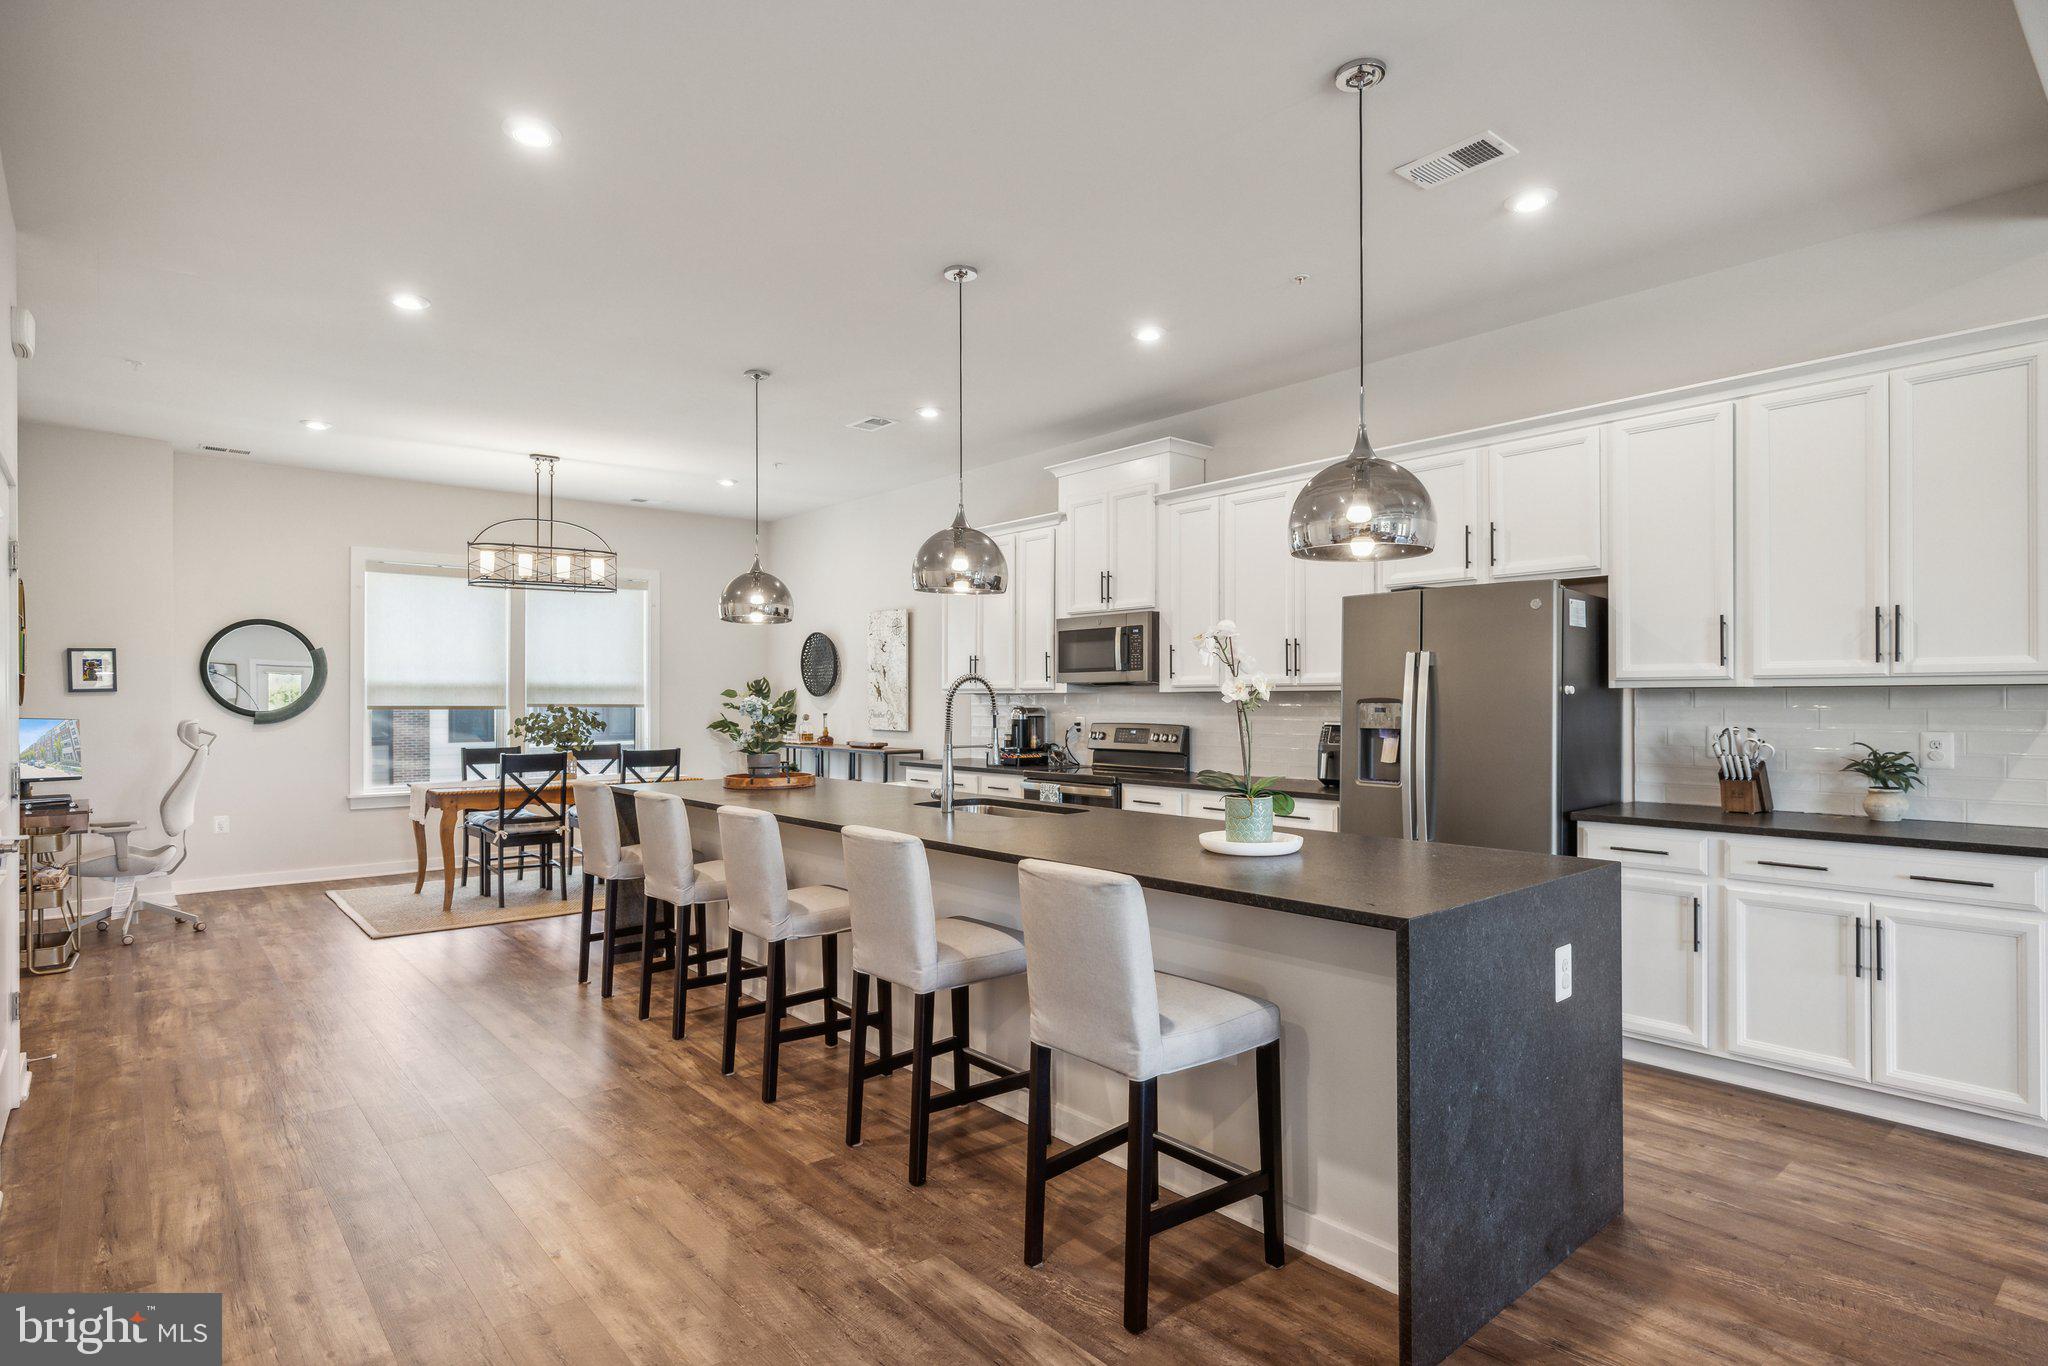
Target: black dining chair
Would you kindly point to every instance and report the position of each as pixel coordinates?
(533, 800)
(479, 761)
(653, 765)
(596, 761)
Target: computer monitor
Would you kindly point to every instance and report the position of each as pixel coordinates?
(49, 750)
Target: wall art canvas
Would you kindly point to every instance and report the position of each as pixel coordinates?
(889, 669)
(89, 669)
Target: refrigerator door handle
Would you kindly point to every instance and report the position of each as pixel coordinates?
(1407, 767)
(1423, 747)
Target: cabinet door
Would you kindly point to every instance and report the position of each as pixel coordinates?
(1033, 577)
(1258, 576)
(1968, 572)
(1671, 581)
(996, 654)
(959, 637)
(1160, 801)
(1666, 945)
(1308, 815)
(1087, 542)
(1798, 981)
(1812, 463)
(1959, 1004)
(1190, 589)
(1320, 588)
(1543, 505)
(1460, 555)
(1133, 546)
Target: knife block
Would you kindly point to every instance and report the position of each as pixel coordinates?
(1747, 796)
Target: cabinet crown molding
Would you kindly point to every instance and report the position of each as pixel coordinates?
(1164, 445)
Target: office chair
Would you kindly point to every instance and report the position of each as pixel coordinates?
(127, 867)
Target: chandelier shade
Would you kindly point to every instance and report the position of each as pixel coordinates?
(543, 551)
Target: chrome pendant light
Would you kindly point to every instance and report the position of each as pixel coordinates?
(543, 558)
(1362, 507)
(757, 597)
(959, 559)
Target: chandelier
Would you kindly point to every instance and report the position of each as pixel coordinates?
(539, 552)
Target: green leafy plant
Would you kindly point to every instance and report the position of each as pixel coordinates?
(1894, 770)
(554, 725)
(1244, 688)
(760, 719)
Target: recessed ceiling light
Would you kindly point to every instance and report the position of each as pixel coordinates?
(531, 132)
(1149, 333)
(1533, 201)
(314, 424)
(927, 412)
(410, 303)
(727, 483)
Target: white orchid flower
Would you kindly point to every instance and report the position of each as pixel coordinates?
(1237, 690)
(1260, 684)
(1224, 630)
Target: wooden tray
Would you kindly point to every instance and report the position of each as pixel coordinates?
(748, 782)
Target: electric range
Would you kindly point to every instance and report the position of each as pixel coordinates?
(1119, 752)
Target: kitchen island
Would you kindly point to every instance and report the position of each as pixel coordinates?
(1452, 1127)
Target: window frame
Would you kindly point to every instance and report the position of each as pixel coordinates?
(364, 559)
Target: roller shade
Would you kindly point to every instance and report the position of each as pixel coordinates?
(431, 640)
(589, 650)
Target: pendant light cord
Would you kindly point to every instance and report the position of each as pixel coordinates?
(960, 384)
(1361, 258)
(757, 471)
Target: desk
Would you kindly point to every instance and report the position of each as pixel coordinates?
(59, 826)
(889, 754)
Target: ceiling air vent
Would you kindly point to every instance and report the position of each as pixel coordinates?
(225, 450)
(1460, 158)
(872, 424)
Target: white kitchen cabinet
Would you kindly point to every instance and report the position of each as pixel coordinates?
(1109, 551)
(1452, 480)
(1543, 501)
(1006, 637)
(1190, 588)
(1969, 506)
(1671, 580)
(1000, 785)
(1667, 947)
(1034, 574)
(1319, 618)
(1309, 813)
(1812, 464)
(996, 653)
(1259, 577)
(1958, 1004)
(959, 638)
(928, 778)
(1798, 980)
(1158, 801)
(1088, 555)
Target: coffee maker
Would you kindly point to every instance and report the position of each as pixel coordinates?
(1025, 742)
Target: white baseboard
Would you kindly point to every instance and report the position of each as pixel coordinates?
(230, 882)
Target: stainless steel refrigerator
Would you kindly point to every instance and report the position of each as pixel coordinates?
(1477, 714)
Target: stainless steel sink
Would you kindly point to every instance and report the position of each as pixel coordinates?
(984, 806)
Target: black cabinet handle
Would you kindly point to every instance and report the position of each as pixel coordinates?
(1695, 924)
(1302, 819)
(1877, 638)
(1724, 640)
(1145, 801)
(1108, 585)
(1492, 533)
(1468, 545)
(1898, 625)
(1169, 661)
(1859, 946)
(1802, 867)
(1877, 958)
(1632, 849)
(1048, 666)
(1948, 881)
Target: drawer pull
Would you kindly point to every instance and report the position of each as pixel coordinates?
(1632, 849)
(1859, 946)
(1948, 881)
(1802, 867)
(1695, 924)
(1302, 819)
(1145, 801)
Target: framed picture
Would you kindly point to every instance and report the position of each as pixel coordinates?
(89, 668)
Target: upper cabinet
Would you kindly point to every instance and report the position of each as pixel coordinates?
(1969, 581)
(1111, 547)
(1034, 574)
(1190, 584)
(1528, 508)
(1452, 479)
(1006, 637)
(1671, 512)
(1288, 612)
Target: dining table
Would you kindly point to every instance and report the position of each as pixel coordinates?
(452, 801)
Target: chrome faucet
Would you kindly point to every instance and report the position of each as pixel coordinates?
(946, 764)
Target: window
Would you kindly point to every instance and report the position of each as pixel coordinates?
(442, 665)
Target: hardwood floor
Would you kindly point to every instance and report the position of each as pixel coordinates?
(441, 1149)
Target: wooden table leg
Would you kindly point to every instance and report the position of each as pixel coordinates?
(419, 845)
(450, 818)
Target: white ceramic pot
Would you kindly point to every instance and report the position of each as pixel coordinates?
(1884, 804)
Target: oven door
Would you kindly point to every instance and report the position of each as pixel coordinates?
(1109, 647)
(1053, 791)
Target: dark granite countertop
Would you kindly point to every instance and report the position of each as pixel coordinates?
(1958, 836)
(1359, 879)
(1293, 787)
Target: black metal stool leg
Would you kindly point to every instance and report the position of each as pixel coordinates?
(1273, 1203)
(778, 992)
(732, 1003)
(960, 1074)
(920, 1085)
(831, 955)
(583, 935)
(857, 1058)
(1038, 1138)
(1143, 1158)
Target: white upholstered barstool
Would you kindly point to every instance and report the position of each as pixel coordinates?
(679, 890)
(1095, 995)
(605, 860)
(763, 904)
(900, 939)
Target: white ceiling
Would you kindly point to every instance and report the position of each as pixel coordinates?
(216, 198)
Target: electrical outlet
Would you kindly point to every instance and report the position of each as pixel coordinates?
(1937, 749)
(220, 825)
(1564, 972)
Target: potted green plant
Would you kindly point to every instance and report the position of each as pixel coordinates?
(1250, 803)
(1892, 774)
(555, 725)
(759, 723)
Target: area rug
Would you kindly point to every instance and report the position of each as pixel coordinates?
(386, 910)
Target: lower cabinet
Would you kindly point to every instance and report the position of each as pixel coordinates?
(1958, 1004)
(1667, 946)
(1799, 981)
(1308, 813)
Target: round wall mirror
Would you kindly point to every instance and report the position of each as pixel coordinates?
(263, 669)
(819, 664)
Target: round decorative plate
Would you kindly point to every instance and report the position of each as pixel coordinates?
(1281, 843)
(820, 664)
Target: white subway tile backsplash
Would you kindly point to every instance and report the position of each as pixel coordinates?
(2001, 772)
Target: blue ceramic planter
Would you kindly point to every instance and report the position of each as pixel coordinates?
(1248, 820)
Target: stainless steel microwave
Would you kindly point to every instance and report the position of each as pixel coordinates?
(1107, 647)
